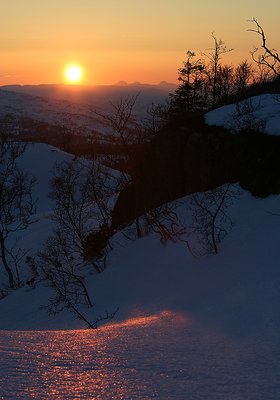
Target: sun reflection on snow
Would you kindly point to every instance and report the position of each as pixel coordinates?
(161, 356)
(105, 363)
(163, 316)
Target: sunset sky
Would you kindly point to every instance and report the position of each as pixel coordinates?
(114, 40)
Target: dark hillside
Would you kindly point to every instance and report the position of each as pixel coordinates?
(190, 157)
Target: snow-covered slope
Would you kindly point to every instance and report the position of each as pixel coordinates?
(38, 160)
(52, 111)
(72, 106)
(261, 112)
(236, 291)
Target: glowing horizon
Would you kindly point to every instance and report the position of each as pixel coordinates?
(144, 41)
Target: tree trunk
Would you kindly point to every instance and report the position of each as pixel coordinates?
(5, 263)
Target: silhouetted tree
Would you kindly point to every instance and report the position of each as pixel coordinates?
(265, 56)
(204, 81)
(188, 97)
(225, 83)
(243, 76)
(214, 69)
(17, 205)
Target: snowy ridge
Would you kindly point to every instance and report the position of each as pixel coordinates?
(261, 111)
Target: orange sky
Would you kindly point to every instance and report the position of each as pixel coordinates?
(127, 40)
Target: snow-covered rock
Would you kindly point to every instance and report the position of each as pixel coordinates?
(261, 112)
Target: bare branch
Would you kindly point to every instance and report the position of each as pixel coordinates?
(269, 56)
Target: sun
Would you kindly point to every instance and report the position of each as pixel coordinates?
(73, 73)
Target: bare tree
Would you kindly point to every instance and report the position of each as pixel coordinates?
(60, 270)
(157, 116)
(17, 205)
(268, 57)
(83, 192)
(225, 82)
(211, 220)
(124, 124)
(205, 81)
(121, 121)
(213, 69)
(244, 117)
(243, 76)
(165, 222)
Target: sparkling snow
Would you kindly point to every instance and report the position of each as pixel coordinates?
(165, 356)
